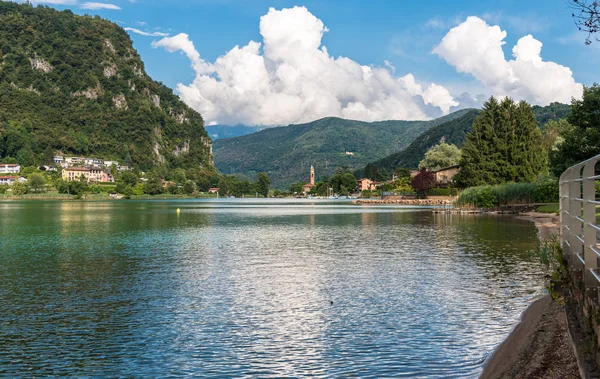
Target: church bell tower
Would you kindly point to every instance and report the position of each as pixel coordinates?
(312, 176)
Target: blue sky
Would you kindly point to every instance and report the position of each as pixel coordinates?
(403, 33)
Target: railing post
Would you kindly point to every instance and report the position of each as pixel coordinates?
(589, 216)
(575, 213)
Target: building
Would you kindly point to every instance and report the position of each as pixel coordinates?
(445, 176)
(366, 184)
(59, 160)
(109, 164)
(311, 181)
(74, 173)
(91, 174)
(73, 161)
(213, 190)
(6, 168)
(10, 180)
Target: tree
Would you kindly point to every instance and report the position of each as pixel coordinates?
(402, 172)
(129, 178)
(582, 141)
(189, 187)
(262, 184)
(440, 156)
(423, 181)
(19, 188)
(505, 144)
(587, 17)
(37, 182)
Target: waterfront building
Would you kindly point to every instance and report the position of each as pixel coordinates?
(10, 180)
(213, 190)
(366, 184)
(6, 168)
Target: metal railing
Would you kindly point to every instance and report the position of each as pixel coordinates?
(578, 225)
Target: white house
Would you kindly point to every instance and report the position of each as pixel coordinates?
(6, 168)
(111, 163)
(10, 180)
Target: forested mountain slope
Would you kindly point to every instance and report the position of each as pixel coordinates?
(286, 153)
(75, 84)
(454, 132)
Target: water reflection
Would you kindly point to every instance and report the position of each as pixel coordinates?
(136, 289)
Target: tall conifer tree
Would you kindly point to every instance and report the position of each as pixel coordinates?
(505, 145)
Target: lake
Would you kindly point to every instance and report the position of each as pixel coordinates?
(251, 288)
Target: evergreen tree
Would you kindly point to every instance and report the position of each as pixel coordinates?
(505, 145)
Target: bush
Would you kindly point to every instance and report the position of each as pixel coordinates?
(3, 189)
(514, 193)
(546, 191)
(19, 188)
(480, 197)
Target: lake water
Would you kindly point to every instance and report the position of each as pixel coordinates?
(239, 288)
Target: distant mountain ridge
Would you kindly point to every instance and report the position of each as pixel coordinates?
(225, 131)
(286, 153)
(75, 84)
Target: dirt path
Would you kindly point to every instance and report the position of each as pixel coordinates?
(540, 346)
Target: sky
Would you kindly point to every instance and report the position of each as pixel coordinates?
(278, 62)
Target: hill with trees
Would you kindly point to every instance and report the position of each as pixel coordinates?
(451, 132)
(329, 144)
(75, 84)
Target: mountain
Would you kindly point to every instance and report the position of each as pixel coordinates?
(224, 131)
(76, 85)
(286, 153)
(454, 132)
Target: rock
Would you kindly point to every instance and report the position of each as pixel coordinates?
(120, 102)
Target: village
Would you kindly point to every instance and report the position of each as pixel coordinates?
(93, 170)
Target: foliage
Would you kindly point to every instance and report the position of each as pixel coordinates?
(546, 191)
(423, 181)
(542, 191)
(504, 145)
(587, 18)
(553, 112)
(69, 107)
(76, 187)
(403, 186)
(440, 156)
(480, 197)
(189, 187)
(19, 188)
(582, 141)
(549, 253)
(262, 184)
(286, 153)
(3, 188)
(37, 183)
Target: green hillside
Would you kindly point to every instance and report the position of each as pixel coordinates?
(75, 84)
(286, 153)
(454, 132)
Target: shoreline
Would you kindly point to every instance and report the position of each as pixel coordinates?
(540, 345)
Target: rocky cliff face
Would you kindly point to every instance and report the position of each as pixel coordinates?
(76, 84)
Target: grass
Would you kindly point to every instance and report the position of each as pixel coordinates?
(549, 208)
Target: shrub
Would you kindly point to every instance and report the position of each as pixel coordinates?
(3, 188)
(514, 193)
(19, 188)
(546, 191)
(480, 197)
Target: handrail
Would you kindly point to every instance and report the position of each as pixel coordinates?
(579, 228)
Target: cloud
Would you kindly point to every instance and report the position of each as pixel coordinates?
(149, 34)
(292, 78)
(475, 48)
(97, 6)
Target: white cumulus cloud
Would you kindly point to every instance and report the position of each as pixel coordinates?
(475, 48)
(292, 78)
(148, 34)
